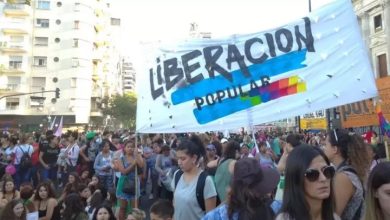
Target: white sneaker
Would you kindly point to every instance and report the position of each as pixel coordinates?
(151, 196)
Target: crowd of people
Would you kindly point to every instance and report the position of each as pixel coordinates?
(266, 175)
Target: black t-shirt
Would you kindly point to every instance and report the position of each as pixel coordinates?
(50, 154)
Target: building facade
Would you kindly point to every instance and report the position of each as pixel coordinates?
(55, 44)
(128, 74)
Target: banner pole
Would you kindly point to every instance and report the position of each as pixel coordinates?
(387, 151)
(136, 173)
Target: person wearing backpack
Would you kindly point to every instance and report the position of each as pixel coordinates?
(349, 153)
(194, 191)
(23, 162)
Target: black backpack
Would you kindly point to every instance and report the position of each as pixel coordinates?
(25, 160)
(199, 187)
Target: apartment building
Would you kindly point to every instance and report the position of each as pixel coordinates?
(47, 44)
(128, 74)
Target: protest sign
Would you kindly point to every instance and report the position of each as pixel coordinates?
(314, 63)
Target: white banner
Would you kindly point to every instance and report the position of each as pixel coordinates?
(314, 63)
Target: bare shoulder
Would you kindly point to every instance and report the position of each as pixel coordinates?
(282, 216)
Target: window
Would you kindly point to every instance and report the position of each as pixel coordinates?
(45, 5)
(75, 62)
(43, 23)
(73, 82)
(76, 24)
(56, 59)
(13, 82)
(41, 41)
(38, 83)
(382, 66)
(12, 103)
(75, 42)
(40, 61)
(15, 62)
(77, 6)
(16, 39)
(378, 23)
(58, 21)
(57, 40)
(115, 21)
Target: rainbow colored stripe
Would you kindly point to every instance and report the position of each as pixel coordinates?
(383, 123)
(277, 89)
(255, 96)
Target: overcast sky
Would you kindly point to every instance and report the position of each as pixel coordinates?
(154, 20)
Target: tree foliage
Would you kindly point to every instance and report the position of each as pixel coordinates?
(122, 108)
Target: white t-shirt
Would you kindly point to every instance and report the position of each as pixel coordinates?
(73, 154)
(20, 150)
(185, 202)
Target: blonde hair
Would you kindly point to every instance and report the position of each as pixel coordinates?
(138, 214)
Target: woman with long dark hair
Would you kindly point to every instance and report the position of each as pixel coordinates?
(45, 201)
(378, 197)
(308, 192)
(129, 162)
(74, 208)
(72, 185)
(224, 172)
(14, 210)
(350, 155)
(104, 212)
(187, 206)
(8, 191)
(249, 196)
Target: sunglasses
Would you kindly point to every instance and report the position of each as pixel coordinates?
(313, 174)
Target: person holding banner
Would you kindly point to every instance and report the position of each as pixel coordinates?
(350, 155)
(126, 164)
(189, 205)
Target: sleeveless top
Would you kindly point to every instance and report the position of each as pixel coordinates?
(222, 179)
(355, 204)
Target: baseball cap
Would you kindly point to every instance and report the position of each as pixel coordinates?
(263, 179)
(224, 140)
(90, 135)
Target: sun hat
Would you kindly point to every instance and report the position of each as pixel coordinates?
(263, 179)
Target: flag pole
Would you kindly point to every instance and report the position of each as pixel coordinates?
(136, 174)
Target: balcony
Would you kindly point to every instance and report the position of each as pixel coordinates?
(10, 88)
(17, 10)
(6, 47)
(14, 67)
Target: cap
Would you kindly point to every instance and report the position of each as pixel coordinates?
(90, 135)
(249, 171)
(224, 140)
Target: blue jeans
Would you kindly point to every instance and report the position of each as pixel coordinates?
(22, 176)
(50, 173)
(107, 181)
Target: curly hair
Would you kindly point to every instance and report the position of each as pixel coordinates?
(353, 150)
(73, 206)
(8, 211)
(49, 189)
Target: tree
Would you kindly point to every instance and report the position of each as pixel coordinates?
(122, 108)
